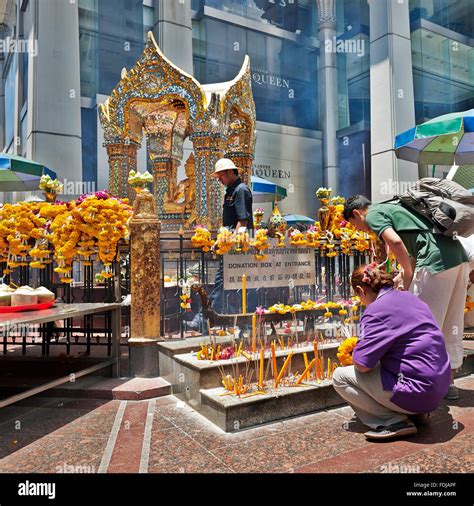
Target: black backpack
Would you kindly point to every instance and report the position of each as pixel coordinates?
(446, 204)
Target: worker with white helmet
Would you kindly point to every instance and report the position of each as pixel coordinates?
(237, 207)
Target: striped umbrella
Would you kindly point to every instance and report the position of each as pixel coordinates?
(445, 140)
(20, 174)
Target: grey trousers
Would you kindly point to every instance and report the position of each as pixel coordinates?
(364, 392)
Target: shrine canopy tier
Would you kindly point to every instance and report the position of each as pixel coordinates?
(157, 100)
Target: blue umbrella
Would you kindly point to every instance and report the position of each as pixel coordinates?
(20, 174)
(293, 219)
(266, 191)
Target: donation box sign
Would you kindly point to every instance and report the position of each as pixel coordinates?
(281, 267)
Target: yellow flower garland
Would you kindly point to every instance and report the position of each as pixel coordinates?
(345, 350)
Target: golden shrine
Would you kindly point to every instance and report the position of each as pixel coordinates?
(158, 100)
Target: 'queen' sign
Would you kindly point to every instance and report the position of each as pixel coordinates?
(278, 269)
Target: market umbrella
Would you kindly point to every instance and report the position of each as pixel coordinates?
(266, 191)
(445, 140)
(293, 219)
(20, 174)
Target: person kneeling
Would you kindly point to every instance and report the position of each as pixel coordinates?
(401, 368)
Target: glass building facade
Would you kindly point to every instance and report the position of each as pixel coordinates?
(284, 65)
(442, 56)
(281, 38)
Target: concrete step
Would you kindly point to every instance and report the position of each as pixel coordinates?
(232, 413)
(124, 389)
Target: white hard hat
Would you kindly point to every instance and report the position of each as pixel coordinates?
(224, 164)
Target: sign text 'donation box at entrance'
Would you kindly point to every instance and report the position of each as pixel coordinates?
(279, 267)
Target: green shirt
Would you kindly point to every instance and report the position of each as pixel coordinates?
(435, 252)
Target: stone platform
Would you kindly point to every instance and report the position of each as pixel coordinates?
(232, 413)
(192, 376)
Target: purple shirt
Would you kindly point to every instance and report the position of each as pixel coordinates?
(399, 330)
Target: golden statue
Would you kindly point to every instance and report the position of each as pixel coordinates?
(182, 199)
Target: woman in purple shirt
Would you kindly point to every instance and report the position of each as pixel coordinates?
(401, 368)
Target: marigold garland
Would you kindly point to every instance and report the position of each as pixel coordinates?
(345, 350)
(34, 231)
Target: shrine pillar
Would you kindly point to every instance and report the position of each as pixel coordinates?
(145, 283)
(165, 174)
(208, 148)
(122, 157)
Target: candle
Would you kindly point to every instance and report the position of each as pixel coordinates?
(274, 361)
(329, 368)
(260, 378)
(283, 369)
(306, 371)
(254, 333)
(305, 357)
(244, 294)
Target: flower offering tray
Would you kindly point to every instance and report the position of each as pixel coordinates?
(26, 307)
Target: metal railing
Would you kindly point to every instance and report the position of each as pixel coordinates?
(179, 261)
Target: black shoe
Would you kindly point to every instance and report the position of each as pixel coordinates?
(420, 420)
(453, 393)
(399, 429)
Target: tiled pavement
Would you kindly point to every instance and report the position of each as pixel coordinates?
(166, 436)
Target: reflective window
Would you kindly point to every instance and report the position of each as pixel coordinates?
(284, 73)
(453, 14)
(10, 101)
(443, 75)
(89, 144)
(352, 16)
(111, 37)
(24, 90)
(296, 16)
(148, 20)
(121, 39)
(23, 127)
(88, 46)
(353, 61)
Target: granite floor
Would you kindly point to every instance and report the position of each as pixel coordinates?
(164, 435)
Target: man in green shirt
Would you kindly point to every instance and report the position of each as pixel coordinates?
(434, 267)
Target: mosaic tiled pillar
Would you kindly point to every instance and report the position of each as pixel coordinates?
(145, 287)
(243, 162)
(145, 279)
(122, 159)
(165, 172)
(208, 148)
